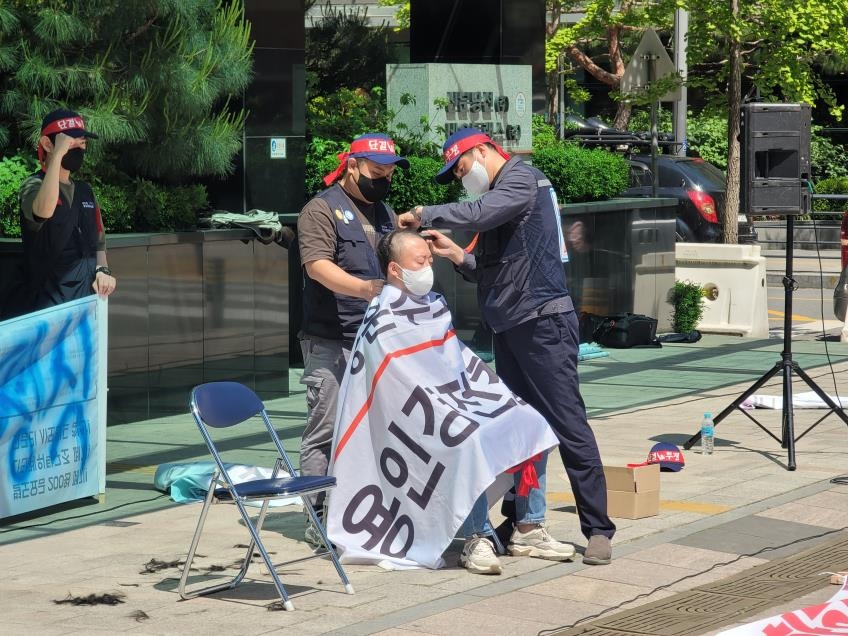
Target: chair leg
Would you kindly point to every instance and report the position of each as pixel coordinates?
(281, 590)
(195, 540)
(330, 549)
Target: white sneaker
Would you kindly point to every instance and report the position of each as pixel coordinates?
(540, 544)
(478, 556)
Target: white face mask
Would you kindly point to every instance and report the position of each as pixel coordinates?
(476, 180)
(417, 282)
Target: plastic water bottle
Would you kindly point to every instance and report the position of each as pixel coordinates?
(707, 434)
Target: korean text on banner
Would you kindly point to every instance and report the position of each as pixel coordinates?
(53, 406)
(423, 428)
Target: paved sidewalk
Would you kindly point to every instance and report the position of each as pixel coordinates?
(721, 515)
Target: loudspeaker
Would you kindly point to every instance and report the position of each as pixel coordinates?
(775, 157)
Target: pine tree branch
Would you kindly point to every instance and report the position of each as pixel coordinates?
(141, 30)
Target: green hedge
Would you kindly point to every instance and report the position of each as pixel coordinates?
(417, 187)
(580, 174)
(835, 185)
(13, 171)
(137, 205)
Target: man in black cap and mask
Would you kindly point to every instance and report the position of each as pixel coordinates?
(63, 237)
(338, 232)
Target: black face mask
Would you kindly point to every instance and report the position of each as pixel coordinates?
(73, 159)
(373, 189)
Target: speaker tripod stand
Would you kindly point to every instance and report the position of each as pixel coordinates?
(786, 367)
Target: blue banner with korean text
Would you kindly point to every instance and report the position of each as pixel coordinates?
(53, 406)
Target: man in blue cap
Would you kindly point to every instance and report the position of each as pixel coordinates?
(521, 288)
(62, 230)
(338, 232)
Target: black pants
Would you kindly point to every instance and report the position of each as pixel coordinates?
(538, 362)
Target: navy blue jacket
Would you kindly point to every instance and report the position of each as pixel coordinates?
(517, 263)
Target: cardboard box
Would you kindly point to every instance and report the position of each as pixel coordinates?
(633, 493)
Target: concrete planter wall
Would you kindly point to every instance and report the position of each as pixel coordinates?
(191, 307)
(771, 235)
(625, 261)
(195, 307)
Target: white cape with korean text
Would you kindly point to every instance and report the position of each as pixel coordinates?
(423, 428)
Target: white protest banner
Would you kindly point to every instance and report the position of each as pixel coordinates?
(53, 406)
(423, 427)
(827, 619)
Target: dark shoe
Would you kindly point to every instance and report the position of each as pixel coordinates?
(313, 538)
(311, 535)
(599, 551)
(504, 532)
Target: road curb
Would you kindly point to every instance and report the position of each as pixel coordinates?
(805, 280)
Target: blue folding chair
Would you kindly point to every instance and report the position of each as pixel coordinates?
(221, 405)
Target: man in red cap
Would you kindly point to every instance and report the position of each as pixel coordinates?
(518, 267)
(338, 232)
(62, 230)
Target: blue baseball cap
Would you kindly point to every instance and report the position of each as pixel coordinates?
(458, 143)
(668, 456)
(378, 148)
(375, 147)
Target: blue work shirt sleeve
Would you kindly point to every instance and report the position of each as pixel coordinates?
(468, 268)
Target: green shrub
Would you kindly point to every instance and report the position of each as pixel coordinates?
(415, 139)
(347, 113)
(116, 208)
(185, 204)
(320, 161)
(707, 137)
(150, 211)
(640, 120)
(416, 186)
(13, 171)
(544, 134)
(580, 174)
(835, 185)
(828, 160)
(168, 209)
(125, 205)
(688, 300)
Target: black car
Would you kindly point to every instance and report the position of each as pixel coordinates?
(697, 185)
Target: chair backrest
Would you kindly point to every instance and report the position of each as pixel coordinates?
(222, 404)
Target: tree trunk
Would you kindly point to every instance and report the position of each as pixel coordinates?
(622, 116)
(552, 90)
(734, 101)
